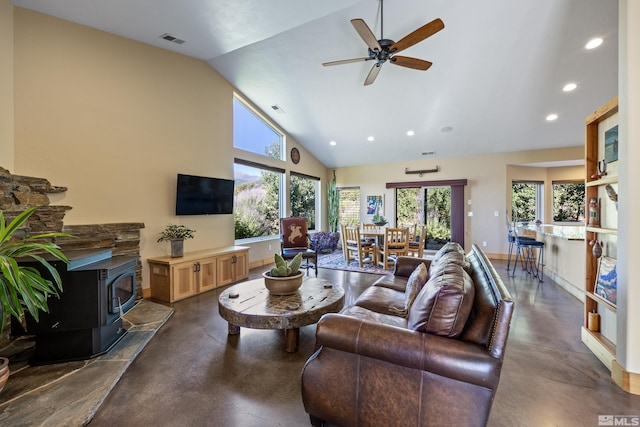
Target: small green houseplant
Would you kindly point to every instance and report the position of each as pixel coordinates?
(23, 287)
(379, 220)
(176, 234)
(285, 278)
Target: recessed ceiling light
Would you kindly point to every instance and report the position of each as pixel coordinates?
(569, 87)
(593, 43)
(446, 129)
(552, 117)
(332, 143)
(370, 138)
(410, 133)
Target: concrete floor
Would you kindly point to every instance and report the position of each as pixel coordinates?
(194, 374)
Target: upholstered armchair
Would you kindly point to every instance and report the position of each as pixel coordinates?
(294, 239)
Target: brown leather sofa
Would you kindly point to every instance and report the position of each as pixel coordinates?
(423, 347)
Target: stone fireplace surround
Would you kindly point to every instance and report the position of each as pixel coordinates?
(18, 193)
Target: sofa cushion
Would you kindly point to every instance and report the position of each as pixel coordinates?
(443, 305)
(391, 281)
(383, 300)
(374, 317)
(454, 257)
(448, 247)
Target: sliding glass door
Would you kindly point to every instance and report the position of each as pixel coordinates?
(426, 205)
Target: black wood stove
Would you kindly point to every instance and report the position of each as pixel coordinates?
(86, 320)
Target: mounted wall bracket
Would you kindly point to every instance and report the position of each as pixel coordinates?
(421, 172)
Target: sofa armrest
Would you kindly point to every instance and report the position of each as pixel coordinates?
(446, 357)
(406, 264)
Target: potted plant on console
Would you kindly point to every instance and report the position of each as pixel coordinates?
(23, 287)
(176, 235)
(285, 278)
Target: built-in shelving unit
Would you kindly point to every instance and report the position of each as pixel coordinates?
(597, 341)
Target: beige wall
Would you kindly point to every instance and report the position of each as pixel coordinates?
(6, 84)
(488, 189)
(115, 120)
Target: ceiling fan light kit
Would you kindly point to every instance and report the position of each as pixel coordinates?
(385, 50)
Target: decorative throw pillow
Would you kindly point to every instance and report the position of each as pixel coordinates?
(414, 285)
(443, 305)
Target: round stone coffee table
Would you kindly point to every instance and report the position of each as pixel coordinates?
(250, 305)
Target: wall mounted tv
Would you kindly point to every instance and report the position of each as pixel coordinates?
(199, 195)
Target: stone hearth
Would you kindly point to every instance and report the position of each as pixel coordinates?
(70, 393)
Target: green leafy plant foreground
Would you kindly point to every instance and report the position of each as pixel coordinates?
(23, 287)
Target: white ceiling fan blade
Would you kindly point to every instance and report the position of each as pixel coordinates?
(344, 61)
(372, 74)
(365, 32)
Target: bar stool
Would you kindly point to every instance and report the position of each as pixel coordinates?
(512, 242)
(531, 252)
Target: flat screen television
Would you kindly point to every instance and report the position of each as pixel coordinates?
(199, 195)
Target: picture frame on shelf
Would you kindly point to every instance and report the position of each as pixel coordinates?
(611, 145)
(607, 280)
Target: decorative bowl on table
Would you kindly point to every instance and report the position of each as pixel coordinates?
(380, 224)
(282, 285)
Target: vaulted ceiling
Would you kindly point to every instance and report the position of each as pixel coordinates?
(499, 68)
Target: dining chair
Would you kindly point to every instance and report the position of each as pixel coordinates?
(294, 239)
(417, 244)
(412, 230)
(396, 243)
(364, 251)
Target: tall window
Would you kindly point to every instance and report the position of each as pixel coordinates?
(568, 202)
(253, 133)
(303, 197)
(527, 200)
(349, 206)
(257, 200)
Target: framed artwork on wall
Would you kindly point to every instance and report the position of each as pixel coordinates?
(374, 205)
(607, 279)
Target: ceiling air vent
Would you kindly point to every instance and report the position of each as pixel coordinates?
(277, 109)
(172, 38)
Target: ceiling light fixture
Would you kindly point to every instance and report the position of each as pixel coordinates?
(410, 133)
(593, 43)
(332, 143)
(370, 138)
(569, 87)
(552, 117)
(446, 129)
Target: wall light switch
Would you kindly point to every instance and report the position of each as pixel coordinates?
(469, 202)
(496, 213)
(470, 213)
(484, 243)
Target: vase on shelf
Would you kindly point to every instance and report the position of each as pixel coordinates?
(597, 248)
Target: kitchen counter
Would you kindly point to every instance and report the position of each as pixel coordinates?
(567, 232)
(564, 254)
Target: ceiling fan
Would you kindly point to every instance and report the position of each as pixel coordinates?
(384, 50)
